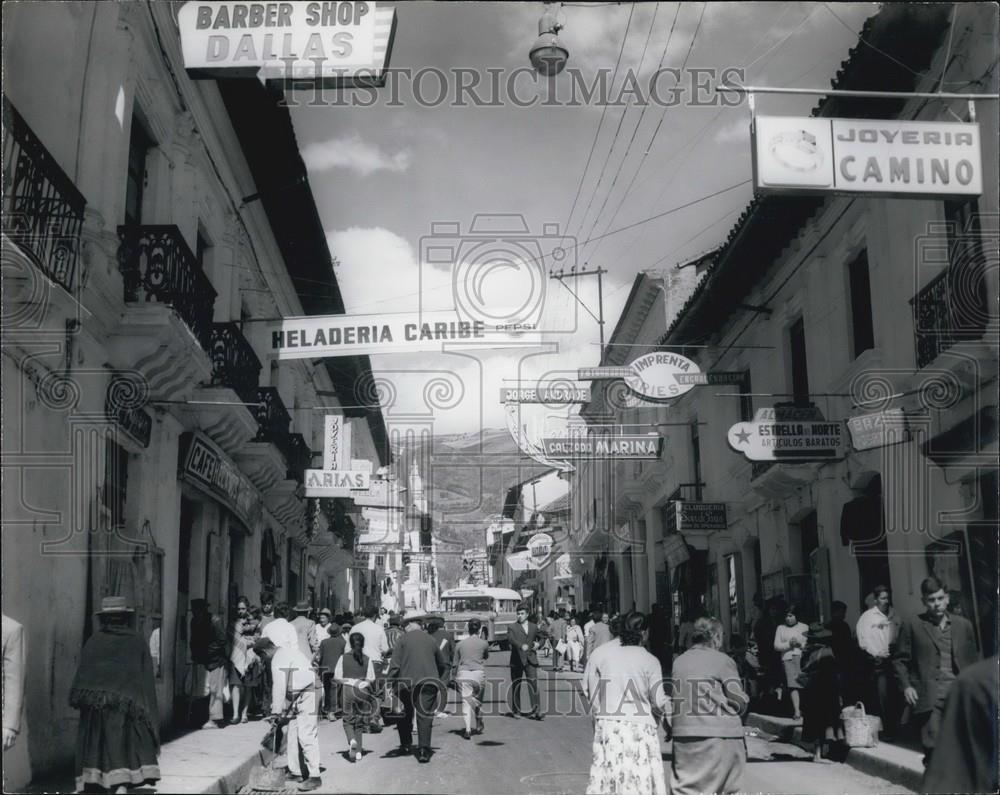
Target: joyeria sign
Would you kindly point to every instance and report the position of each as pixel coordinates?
(880, 157)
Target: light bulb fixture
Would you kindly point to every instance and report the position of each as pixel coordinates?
(548, 55)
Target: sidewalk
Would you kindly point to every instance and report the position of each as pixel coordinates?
(892, 762)
(205, 761)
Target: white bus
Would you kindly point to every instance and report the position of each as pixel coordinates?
(496, 608)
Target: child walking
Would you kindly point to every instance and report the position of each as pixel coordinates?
(355, 672)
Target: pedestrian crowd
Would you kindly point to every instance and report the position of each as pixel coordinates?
(921, 678)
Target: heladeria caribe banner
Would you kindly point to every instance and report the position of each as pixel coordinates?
(321, 336)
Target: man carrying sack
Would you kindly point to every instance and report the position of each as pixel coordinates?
(295, 680)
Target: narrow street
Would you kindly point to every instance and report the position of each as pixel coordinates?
(551, 756)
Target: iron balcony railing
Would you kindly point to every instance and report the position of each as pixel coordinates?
(951, 308)
(157, 266)
(234, 363)
(42, 208)
(272, 417)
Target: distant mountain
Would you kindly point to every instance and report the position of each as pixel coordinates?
(465, 478)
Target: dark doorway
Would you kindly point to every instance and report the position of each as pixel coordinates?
(862, 525)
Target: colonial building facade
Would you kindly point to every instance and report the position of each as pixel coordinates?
(151, 449)
(844, 306)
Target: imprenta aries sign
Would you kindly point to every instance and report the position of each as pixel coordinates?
(867, 156)
(343, 43)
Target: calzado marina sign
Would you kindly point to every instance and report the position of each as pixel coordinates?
(870, 156)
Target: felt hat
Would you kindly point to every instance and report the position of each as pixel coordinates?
(111, 605)
(303, 607)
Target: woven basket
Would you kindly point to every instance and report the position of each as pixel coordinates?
(860, 729)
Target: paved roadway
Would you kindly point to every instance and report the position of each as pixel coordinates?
(546, 757)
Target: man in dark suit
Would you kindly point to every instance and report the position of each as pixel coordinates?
(416, 666)
(523, 639)
(931, 651)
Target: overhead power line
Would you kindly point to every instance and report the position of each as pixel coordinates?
(600, 124)
(618, 129)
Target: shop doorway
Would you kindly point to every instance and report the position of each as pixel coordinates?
(182, 665)
(862, 525)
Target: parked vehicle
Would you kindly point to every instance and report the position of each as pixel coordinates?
(496, 608)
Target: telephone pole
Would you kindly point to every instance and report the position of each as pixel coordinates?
(561, 275)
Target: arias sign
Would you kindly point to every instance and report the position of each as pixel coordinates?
(344, 43)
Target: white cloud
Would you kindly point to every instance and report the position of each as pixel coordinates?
(355, 154)
(379, 272)
(736, 131)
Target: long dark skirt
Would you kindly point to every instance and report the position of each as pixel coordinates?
(113, 748)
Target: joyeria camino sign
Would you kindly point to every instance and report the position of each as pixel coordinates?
(869, 156)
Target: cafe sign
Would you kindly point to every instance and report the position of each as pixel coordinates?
(866, 156)
(206, 467)
(789, 433)
(341, 43)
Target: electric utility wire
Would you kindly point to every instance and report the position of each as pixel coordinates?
(642, 115)
(600, 123)
(653, 137)
(693, 140)
(618, 129)
(697, 137)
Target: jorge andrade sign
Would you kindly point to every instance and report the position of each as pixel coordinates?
(812, 155)
(348, 43)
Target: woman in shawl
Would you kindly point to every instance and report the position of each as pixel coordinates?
(243, 634)
(118, 739)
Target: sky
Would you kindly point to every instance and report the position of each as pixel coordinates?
(386, 177)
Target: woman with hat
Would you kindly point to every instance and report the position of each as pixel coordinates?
(820, 684)
(118, 738)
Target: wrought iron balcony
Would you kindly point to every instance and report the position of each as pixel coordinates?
(234, 364)
(298, 455)
(42, 209)
(158, 267)
(952, 308)
(272, 417)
